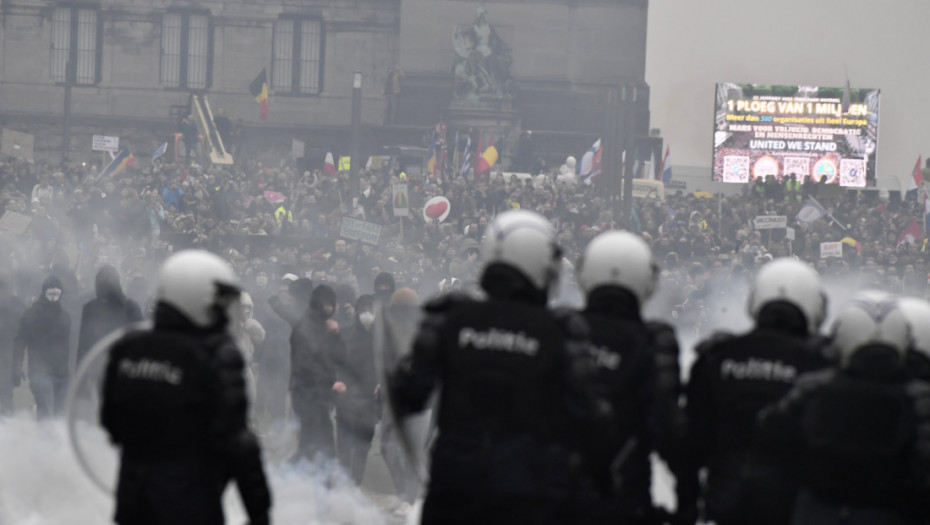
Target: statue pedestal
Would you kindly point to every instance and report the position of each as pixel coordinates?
(486, 116)
(492, 119)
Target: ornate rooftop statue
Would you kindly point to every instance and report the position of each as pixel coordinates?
(483, 69)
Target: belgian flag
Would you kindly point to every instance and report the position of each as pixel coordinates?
(259, 90)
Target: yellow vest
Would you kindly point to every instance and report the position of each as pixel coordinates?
(281, 213)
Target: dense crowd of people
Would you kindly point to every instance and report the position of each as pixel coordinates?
(82, 250)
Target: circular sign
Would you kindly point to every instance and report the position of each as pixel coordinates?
(825, 168)
(766, 166)
(437, 209)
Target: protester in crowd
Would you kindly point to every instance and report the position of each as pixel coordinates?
(109, 311)
(44, 336)
(316, 347)
(358, 409)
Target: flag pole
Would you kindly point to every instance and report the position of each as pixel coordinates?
(829, 214)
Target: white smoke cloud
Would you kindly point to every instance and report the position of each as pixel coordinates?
(42, 484)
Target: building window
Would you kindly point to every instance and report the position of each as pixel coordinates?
(297, 56)
(76, 35)
(186, 50)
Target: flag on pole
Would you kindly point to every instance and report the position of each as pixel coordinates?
(654, 172)
(910, 234)
(917, 177)
(442, 151)
(329, 165)
(926, 212)
(486, 160)
(666, 168)
(443, 163)
(160, 151)
(852, 242)
(456, 157)
(431, 163)
(846, 97)
(122, 159)
(259, 89)
(466, 158)
(811, 211)
(590, 166)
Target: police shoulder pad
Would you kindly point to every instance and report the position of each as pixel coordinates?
(572, 322)
(715, 339)
(447, 302)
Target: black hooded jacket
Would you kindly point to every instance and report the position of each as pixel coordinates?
(315, 349)
(359, 404)
(44, 330)
(108, 312)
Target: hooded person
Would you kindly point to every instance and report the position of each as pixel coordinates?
(43, 334)
(250, 334)
(109, 311)
(403, 314)
(316, 347)
(253, 332)
(358, 408)
(272, 355)
(384, 288)
(291, 304)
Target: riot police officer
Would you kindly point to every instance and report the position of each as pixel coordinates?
(505, 370)
(917, 359)
(860, 432)
(734, 378)
(637, 372)
(174, 402)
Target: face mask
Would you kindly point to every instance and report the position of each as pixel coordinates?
(261, 280)
(367, 319)
(53, 294)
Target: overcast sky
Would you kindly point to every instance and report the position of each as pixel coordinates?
(882, 44)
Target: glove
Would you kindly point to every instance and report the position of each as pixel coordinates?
(17, 378)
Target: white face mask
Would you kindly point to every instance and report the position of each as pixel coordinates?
(367, 319)
(53, 294)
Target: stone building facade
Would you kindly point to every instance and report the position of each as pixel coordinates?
(131, 65)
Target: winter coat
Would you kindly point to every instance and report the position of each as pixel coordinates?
(358, 405)
(44, 331)
(315, 350)
(110, 311)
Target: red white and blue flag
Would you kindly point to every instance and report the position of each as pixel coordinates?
(590, 166)
(666, 168)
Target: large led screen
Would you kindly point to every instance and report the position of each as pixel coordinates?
(818, 134)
